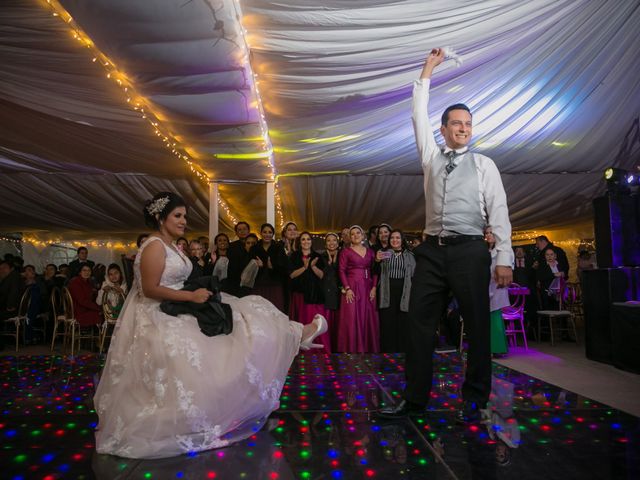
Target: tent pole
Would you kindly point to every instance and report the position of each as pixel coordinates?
(214, 213)
(271, 204)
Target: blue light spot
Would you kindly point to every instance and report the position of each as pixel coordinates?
(179, 475)
(615, 425)
(64, 467)
(336, 474)
(332, 454)
(11, 433)
(375, 428)
(48, 457)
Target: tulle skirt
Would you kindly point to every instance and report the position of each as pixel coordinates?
(168, 389)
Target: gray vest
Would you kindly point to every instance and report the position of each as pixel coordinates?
(460, 196)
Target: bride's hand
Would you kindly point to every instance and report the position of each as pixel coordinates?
(200, 295)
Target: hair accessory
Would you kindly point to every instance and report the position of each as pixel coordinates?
(157, 206)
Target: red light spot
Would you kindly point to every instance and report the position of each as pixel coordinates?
(278, 454)
(473, 428)
(211, 475)
(370, 473)
(77, 456)
(360, 452)
(335, 464)
(546, 428)
(274, 475)
(59, 433)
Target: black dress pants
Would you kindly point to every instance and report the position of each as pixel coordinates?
(463, 269)
(394, 332)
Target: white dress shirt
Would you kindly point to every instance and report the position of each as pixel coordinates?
(492, 198)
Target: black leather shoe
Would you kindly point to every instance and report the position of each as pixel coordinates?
(400, 410)
(469, 413)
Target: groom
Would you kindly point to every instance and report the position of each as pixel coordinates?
(463, 194)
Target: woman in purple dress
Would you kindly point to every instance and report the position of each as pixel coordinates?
(359, 329)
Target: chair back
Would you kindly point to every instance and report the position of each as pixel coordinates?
(56, 302)
(67, 304)
(25, 302)
(112, 302)
(518, 300)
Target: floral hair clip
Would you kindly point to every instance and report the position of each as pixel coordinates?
(158, 205)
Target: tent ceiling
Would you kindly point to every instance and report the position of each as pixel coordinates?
(552, 85)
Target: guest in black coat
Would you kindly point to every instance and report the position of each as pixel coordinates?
(76, 265)
(272, 263)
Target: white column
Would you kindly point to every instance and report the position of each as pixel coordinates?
(271, 203)
(213, 210)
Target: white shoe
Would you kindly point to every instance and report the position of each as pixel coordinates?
(321, 327)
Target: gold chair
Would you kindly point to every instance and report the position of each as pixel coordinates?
(112, 302)
(553, 315)
(20, 318)
(57, 311)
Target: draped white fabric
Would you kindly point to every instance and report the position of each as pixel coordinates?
(554, 87)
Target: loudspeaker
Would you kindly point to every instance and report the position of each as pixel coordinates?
(616, 223)
(625, 335)
(600, 288)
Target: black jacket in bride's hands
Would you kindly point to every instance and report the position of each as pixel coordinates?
(214, 317)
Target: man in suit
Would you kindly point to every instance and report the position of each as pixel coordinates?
(237, 257)
(82, 260)
(463, 194)
(521, 268)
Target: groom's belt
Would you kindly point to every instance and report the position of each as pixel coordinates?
(452, 239)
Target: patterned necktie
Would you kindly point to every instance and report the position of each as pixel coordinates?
(451, 155)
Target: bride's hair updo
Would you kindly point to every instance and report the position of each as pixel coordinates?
(159, 207)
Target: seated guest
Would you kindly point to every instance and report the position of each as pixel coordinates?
(50, 272)
(522, 268)
(586, 261)
(542, 243)
(37, 302)
(396, 269)
(76, 265)
(85, 308)
(62, 277)
(114, 281)
(550, 278)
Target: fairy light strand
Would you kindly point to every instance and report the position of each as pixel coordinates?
(135, 100)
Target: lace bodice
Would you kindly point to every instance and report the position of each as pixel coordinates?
(177, 267)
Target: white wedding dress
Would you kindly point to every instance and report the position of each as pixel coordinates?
(168, 389)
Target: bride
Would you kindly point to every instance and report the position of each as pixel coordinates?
(168, 389)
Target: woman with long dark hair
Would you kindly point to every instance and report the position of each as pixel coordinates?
(396, 269)
(168, 389)
(272, 267)
(307, 298)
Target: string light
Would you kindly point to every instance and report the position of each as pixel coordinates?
(135, 100)
(268, 146)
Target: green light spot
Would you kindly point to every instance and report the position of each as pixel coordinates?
(249, 454)
(304, 453)
(71, 425)
(147, 475)
(422, 461)
(20, 458)
(35, 433)
(305, 475)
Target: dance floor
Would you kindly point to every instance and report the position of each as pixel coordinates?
(326, 428)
